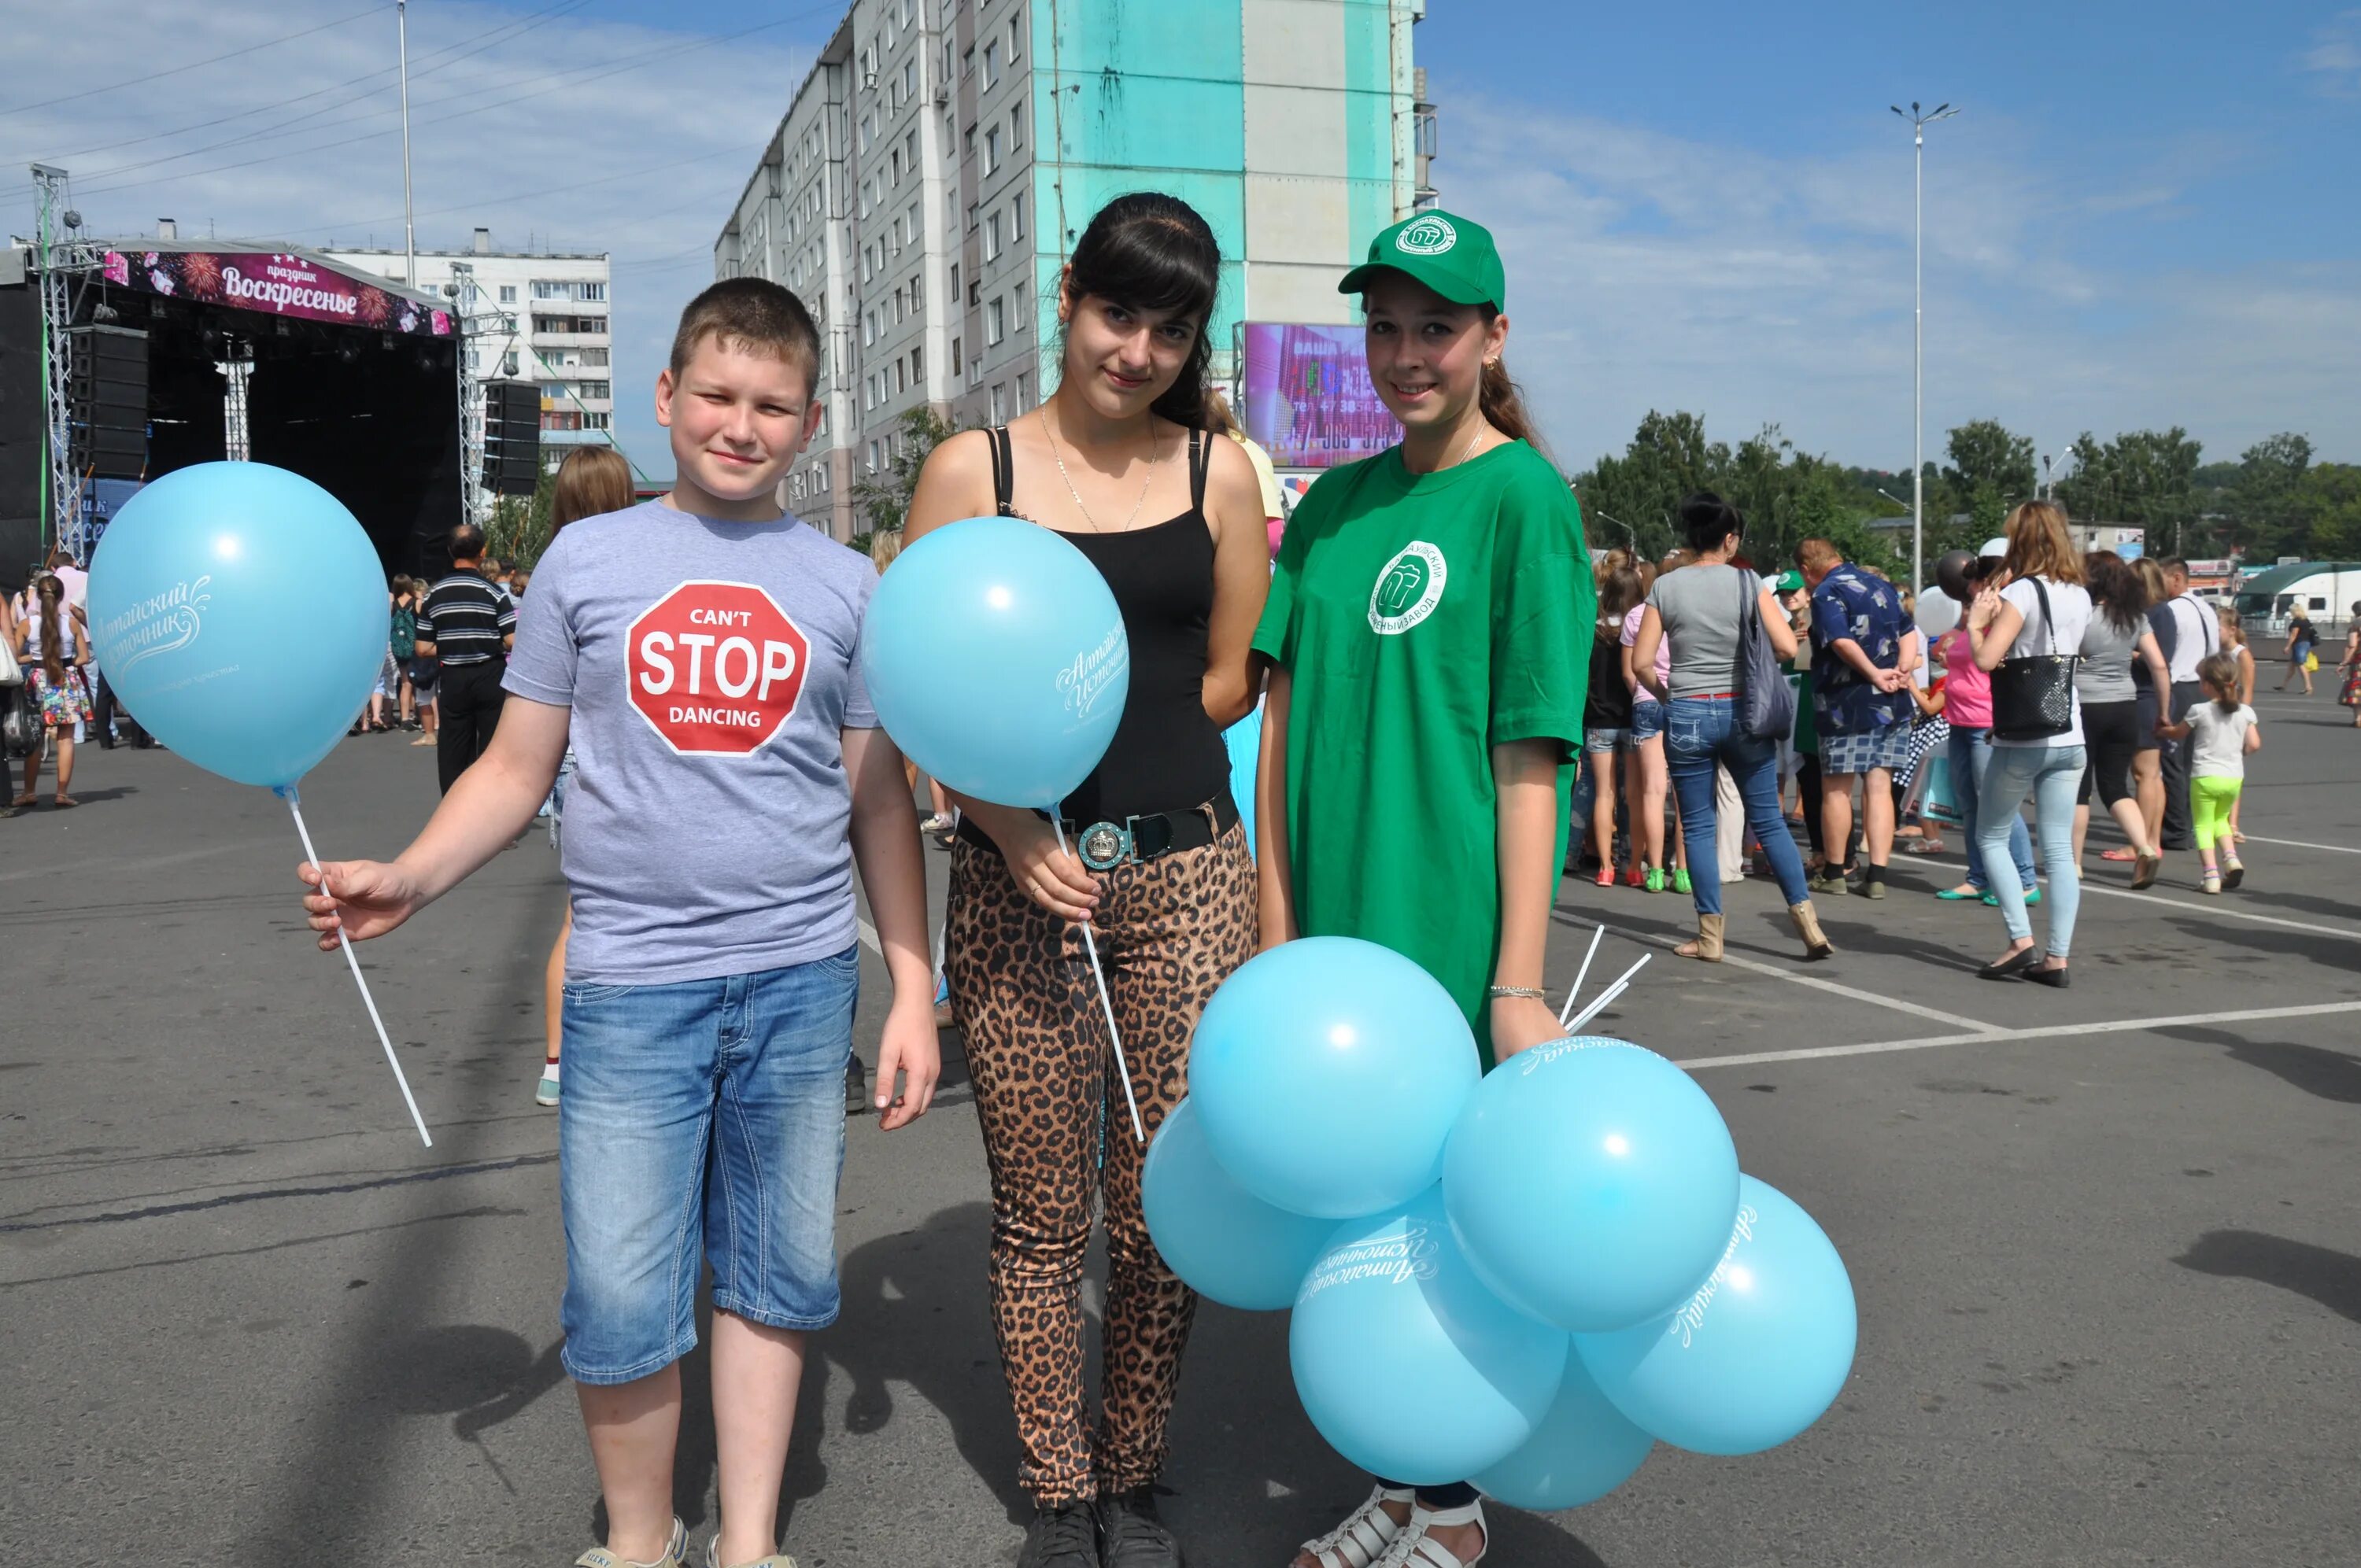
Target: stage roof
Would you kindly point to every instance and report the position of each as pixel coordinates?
(272, 279)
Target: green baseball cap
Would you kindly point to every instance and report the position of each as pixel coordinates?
(1450, 254)
(1791, 581)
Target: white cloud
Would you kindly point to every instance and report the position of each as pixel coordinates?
(2334, 57)
(1649, 270)
(548, 127)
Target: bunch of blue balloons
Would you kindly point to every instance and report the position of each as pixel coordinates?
(1525, 1279)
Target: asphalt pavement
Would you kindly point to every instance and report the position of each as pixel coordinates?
(2106, 1241)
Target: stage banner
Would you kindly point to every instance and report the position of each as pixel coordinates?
(1309, 401)
(276, 285)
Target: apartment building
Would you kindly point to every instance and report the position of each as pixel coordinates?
(538, 315)
(936, 167)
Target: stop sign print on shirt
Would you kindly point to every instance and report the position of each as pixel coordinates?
(715, 668)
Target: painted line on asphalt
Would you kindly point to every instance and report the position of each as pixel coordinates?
(1815, 982)
(2055, 1030)
(2301, 844)
(2226, 907)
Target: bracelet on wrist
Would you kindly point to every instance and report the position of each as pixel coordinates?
(1497, 992)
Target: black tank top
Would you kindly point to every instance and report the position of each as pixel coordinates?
(1166, 755)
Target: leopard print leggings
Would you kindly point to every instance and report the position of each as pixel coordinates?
(1168, 932)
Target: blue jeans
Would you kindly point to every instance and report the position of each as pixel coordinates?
(705, 1118)
(1971, 754)
(1698, 733)
(2052, 775)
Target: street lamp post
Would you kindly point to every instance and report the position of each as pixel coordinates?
(1918, 124)
(409, 231)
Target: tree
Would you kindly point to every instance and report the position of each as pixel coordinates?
(518, 528)
(1991, 467)
(2143, 476)
(2331, 500)
(2268, 498)
(884, 498)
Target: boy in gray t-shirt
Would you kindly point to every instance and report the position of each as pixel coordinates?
(700, 653)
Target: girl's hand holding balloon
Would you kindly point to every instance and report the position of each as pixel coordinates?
(1050, 876)
(361, 898)
(1520, 1023)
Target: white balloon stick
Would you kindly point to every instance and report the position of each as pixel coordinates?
(1622, 983)
(287, 794)
(1114, 1037)
(1579, 975)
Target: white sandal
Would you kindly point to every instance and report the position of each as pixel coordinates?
(1365, 1533)
(1411, 1549)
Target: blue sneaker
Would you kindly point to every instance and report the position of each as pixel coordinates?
(545, 1091)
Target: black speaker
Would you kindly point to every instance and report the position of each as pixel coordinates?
(511, 437)
(107, 394)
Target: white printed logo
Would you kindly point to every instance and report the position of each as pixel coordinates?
(1407, 588)
(1427, 237)
(1395, 1260)
(1685, 1323)
(1094, 671)
(164, 624)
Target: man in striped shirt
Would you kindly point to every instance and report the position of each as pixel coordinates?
(468, 622)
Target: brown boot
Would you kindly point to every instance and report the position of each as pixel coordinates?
(1707, 945)
(1808, 926)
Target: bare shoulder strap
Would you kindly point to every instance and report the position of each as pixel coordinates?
(1004, 470)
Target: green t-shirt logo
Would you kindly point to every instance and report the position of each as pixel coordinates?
(1409, 587)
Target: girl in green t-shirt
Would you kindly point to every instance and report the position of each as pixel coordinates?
(1429, 629)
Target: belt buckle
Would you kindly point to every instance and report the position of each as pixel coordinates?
(1105, 844)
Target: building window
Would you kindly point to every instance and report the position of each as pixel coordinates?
(1017, 129)
(901, 382)
(1016, 33)
(869, 329)
(873, 458)
(967, 142)
(508, 293)
(991, 238)
(593, 291)
(509, 364)
(600, 389)
(918, 291)
(1024, 390)
(917, 364)
(1017, 216)
(967, 63)
(954, 282)
(594, 357)
(991, 64)
(910, 150)
(971, 217)
(991, 151)
(1000, 402)
(893, 163)
(553, 389)
(955, 356)
(995, 323)
(594, 421)
(910, 77)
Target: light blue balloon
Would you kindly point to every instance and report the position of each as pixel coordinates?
(1592, 1183)
(996, 658)
(1406, 1363)
(1756, 1356)
(1224, 1242)
(1244, 741)
(239, 612)
(1583, 1449)
(1328, 1072)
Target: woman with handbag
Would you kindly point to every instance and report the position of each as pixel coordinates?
(1726, 634)
(2029, 635)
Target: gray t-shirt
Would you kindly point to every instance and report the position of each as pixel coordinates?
(1699, 607)
(2106, 673)
(711, 667)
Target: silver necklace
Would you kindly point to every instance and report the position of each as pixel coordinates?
(1155, 455)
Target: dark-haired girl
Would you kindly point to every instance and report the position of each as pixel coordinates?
(1699, 611)
(1119, 461)
(1429, 625)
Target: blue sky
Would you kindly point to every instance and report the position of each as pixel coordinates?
(2143, 216)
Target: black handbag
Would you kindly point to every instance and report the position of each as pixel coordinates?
(2033, 696)
(1766, 703)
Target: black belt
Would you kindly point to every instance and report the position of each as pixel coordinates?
(1102, 846)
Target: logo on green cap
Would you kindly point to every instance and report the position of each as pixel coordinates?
(1429, 235)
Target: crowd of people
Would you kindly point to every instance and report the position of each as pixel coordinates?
(2140, 692)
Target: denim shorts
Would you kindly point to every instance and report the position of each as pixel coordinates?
(700, 1119)
(1605, 740)
(1647, 720)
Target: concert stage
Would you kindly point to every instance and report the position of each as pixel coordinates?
(183, 352)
